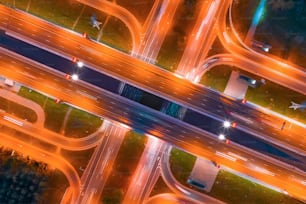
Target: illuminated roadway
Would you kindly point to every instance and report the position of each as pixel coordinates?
(201, 37)
(121, 13)
(57, 62)
(271, 120)
(279, 71)
(100, 164)
(274, 59)
(169, 198)
(169, 129)
(204, 147)
(155, 29)
(179, 188)
(141, 74)
(146, 173)
(40, 120)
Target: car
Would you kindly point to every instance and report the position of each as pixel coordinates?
(250, 81)
(263, 46)
(67, 76)
(9, 82)
(196, 184)
(244, 101)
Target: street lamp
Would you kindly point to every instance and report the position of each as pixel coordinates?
(75, 77)
(80, 64)
(226, 124)
(221, 137)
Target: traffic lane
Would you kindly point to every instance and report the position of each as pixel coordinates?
(199, 36)
(62, 41)
(146, 173)
(224, 115)
(59, 63)
(131, 75)
(259, 122)
(150, 83)
(275, 67)
(240, 137)
(281, 177)
(51, 137)
(66, 62)
(167, 129)
(278, 63)
(141, 119)
(158, 29)
(42, 81)
(101, 163)
(10, 131)
(99, 151)
(116, 142)
(176, 90)
(179, 188)
(99, 77)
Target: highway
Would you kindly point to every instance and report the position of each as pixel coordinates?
(291, 131)
(200, 38)
(150, 78)
(191, 139)
(156, 28)
(191, 117)
(291, 190)
(100, 165)
(146, 173)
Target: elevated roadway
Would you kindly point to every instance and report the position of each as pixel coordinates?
(191, 139)
(139, 73)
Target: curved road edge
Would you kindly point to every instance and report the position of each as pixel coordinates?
(44, 156)
(177, 187)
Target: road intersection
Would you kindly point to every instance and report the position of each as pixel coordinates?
(167, 127)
